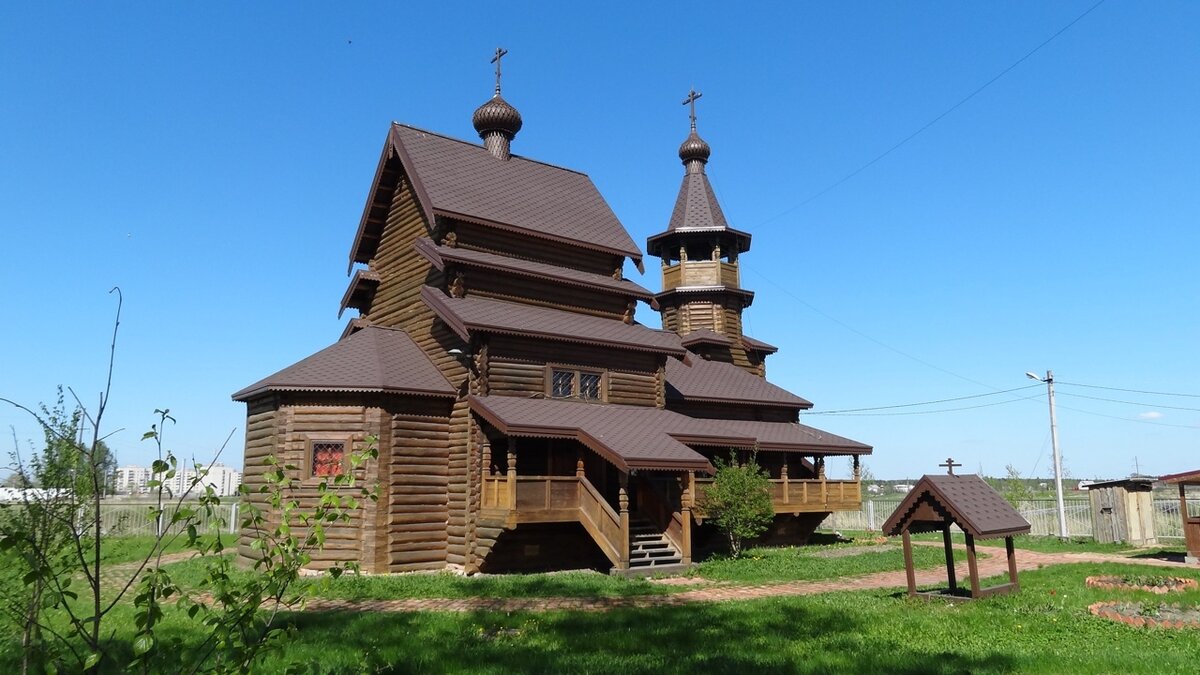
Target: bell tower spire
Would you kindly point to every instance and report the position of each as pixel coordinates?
(702, 291)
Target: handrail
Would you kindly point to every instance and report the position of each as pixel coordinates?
(600, 520)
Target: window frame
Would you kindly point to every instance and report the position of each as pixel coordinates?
(308, 465)
(576, 376)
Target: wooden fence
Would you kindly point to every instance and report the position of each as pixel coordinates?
(1042, 515)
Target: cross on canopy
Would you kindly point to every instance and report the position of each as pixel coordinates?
(691, 102)
(950, 464)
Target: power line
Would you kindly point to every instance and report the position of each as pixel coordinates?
(937, 119)
(932, 412)
(783, 289)
(1131, 391)
(910, 405)
(1130, 419)
(1144, 405)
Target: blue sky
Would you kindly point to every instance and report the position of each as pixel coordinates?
(213, 160)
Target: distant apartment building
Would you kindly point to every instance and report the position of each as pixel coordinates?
(132, 480)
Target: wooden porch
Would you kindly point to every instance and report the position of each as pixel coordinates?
(509, 500)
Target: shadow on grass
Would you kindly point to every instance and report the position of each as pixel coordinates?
(1161, 554)
(763, 636)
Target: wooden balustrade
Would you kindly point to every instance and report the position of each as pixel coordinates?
(801, 495)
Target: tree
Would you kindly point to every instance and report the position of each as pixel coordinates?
(1014, 488)
(52, 540)
(739, 501)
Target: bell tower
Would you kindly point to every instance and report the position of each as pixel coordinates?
(702, 292)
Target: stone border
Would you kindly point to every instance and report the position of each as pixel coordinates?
(1105, 610)
(1112, 582)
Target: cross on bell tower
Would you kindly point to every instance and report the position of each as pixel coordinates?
(690, 101)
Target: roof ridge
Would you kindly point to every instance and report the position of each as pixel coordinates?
(484, 149)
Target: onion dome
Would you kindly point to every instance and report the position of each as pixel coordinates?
(496, 115)
(694, 148)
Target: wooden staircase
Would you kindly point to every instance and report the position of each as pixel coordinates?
(649, 549)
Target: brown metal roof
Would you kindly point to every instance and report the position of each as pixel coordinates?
(968, 501)
(630, 437)
(465, 315)
(705, 336)
(1187, 478)
(438, 255)
(464, 179)
(795, 437)
(362, 288)
(758, 345)
(716, 381)
(374, 359)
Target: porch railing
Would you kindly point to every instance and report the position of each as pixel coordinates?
(545, 499)
(801, 495)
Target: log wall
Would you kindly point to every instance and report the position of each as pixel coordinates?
(544, 293)
(262, 435)
(517, 367)
(494, 240)
(402, 270)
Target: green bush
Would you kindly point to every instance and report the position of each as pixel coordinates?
(739, 501)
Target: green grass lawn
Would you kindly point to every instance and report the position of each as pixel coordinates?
(1043, 629)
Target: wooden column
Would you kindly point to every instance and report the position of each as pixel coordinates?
(821, 477)
(783, 473)
(512, 481)
(972, 565)
(1010, 551)
(623, 502)
(949, 557)
(685, 512)
(910, 573)
(857, 469)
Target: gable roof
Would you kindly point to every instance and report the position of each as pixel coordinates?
(968, 501)
(716, 381)
(473, 313)
(374, 359)
(462, 180)
(439, 255)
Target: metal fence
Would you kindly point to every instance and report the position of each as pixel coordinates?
(137, 518)
(1042, 515)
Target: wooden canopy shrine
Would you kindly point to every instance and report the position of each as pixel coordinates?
(937, 502)
(1191, 521)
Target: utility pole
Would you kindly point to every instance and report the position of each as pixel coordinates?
(1058, 489)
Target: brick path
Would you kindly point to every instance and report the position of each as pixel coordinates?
(995, 564)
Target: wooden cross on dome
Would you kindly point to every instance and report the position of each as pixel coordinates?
(950, 464)
(691, 101)
(500, 52)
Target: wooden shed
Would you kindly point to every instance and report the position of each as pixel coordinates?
(1190, 515)
(1123, 511)
(937, 502)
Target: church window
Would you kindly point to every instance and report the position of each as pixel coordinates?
(572, 383)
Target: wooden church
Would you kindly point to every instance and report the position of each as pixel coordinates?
(525, 419)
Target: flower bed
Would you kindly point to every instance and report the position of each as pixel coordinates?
(1152, 584)
(1152, 614)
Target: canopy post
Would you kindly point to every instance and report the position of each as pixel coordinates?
(949, 557)
(972, 565)
(910, 572)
